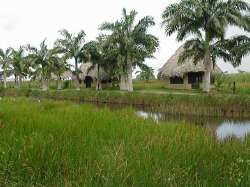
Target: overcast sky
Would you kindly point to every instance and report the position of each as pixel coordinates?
(31, 21)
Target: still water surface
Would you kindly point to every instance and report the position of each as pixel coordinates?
(223, 128)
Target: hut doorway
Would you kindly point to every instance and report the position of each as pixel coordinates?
(195, 78)
(88, 81)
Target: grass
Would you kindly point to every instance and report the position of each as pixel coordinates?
(63, 144)
(219, 105)
(224, 83)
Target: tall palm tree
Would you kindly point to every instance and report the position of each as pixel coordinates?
(20, 65)
(96, 54)
(227, 49)
(42, 62)
(207, 19)
(5, 60)
(133, 42)
(59, 67)
(72, 46)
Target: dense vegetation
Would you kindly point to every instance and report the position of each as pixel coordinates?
(64, 144)
(233, 83)
(128, 43)
(206, 22)
(172, 102)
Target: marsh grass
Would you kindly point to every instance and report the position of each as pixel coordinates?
(225, 83)
(51, 143)
(215, 105)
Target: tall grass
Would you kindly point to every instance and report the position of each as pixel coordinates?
(225, 83)
(188, 104)
(63, 144)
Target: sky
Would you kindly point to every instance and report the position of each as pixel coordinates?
(31, 21)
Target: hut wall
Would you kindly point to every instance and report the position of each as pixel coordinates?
(185, 84)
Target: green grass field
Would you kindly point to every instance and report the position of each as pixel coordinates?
(51, 143)
(224, 83)
(199, 104)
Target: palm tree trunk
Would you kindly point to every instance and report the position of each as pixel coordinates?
(123, 82)
(59, 83)
(98, 81)
(45, 84)
(19, 81)
(77, 75)
(126, 82)
(4, 79)
(208, 66)
(130, 78)
(16, 81)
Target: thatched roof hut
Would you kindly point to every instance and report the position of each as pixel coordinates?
(88, 71)
(67, 75)
(173, 69)
(186, 74)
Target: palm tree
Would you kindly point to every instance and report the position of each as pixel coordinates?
(96, 53)
(133, 44)
(239, 47)
(207, 19)
(20, 65)
(42, 62)
(72, 47)
(59, 67)
(146, 73)
(227, 49)
(5, 60)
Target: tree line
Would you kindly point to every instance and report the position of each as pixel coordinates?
(126, 43)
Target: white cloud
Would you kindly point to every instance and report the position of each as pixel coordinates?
(30, 21)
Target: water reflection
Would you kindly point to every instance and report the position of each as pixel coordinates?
(223, 128)
(231, 129)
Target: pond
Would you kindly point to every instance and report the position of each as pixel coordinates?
(224, 128)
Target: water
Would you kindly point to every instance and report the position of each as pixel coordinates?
(224, 128)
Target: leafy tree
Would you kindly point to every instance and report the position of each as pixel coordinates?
(42, 62)
(5, 60)
(20, 65)
(72, 47)
(132, 44)
(207, 19)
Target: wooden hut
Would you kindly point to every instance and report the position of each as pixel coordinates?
(186, 75)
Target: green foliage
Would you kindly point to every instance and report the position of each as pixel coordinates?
(63, 144)
(206, 21)
(131, 42)
(147, 73)
(225, 83)
(42, 60)
(190, 103)
(72, 47)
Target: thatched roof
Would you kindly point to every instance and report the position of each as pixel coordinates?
(86, 70)
(67, 75)
(173, 69)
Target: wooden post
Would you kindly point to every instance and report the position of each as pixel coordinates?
(234, 87)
